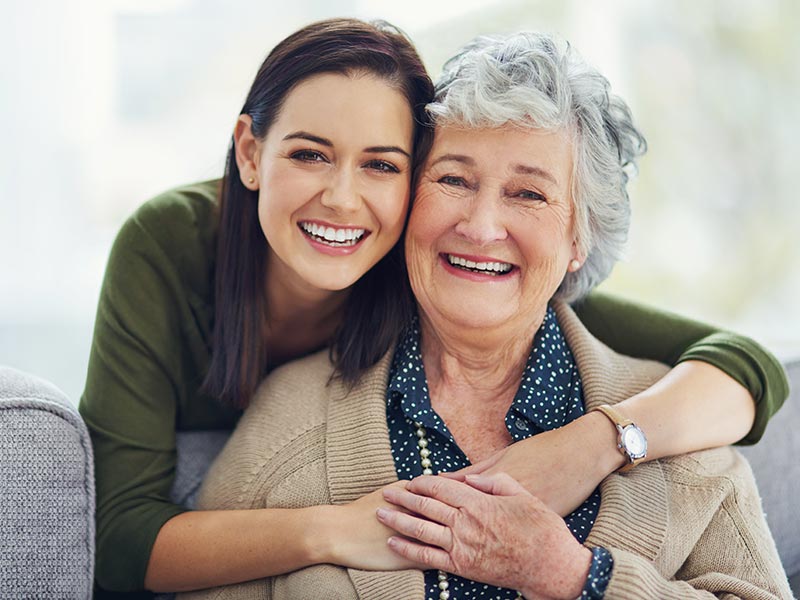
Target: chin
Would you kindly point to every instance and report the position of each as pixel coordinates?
(476, 316)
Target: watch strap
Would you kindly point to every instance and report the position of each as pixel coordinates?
(616, 418)
(620, 422)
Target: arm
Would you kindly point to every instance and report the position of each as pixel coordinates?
(644, 332)
(147, 360)
(130, 405)
(695, 406)
(492, 530)
(240, 543)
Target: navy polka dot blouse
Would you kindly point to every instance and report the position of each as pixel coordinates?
(550, 395)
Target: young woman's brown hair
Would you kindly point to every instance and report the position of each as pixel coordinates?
(379, 304)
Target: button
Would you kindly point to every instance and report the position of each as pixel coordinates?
(521, 424)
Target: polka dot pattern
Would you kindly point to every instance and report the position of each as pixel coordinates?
(550, 395)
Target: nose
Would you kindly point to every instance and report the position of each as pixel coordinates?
(482, 221)
(341, 193)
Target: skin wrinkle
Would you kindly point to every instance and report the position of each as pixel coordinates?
(472, 200)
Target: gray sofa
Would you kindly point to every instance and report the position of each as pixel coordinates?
(47, 487)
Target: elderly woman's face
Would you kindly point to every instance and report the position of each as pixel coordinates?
(490, 235)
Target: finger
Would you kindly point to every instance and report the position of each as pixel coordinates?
(497, 484)
(453, 493)
(416, 528)
(477, 468)
(429, 508)
(433, 558)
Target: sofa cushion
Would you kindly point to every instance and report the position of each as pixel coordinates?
(196, 451)
(776, 465)
(46, 492)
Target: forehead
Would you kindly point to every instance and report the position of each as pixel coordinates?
(332, 104)
(503, 149)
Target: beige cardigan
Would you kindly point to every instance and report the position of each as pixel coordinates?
(688, 527)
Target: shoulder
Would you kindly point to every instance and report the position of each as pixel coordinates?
(610, 373)
(175, 234)
(710, 481)
(307, 379)
(722, 468)
(278, 442)
(181, 215)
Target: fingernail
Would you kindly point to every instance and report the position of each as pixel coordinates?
(382, 513)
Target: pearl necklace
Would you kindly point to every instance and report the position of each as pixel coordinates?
(425, 461)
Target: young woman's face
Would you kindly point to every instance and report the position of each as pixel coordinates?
(334, 176)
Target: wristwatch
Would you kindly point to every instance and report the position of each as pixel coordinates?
(631, 441)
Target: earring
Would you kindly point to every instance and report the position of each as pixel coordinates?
(574, 265)
(251, 180)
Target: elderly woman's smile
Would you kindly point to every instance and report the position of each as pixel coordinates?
(491, 233)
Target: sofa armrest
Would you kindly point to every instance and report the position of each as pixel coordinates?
(47, 502)
(776, 467)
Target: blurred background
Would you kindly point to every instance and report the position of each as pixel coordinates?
(105, 103)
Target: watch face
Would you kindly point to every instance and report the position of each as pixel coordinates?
(634, 442)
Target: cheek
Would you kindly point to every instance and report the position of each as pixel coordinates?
(430, 216)
(391, 206)
(545, 245)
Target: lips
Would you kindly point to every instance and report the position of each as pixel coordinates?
(336, 237)
(484, 267)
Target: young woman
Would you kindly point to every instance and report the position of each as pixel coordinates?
(211, 286)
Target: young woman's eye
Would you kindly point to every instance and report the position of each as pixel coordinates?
(309, 156)
(453, 180)
(383, 166)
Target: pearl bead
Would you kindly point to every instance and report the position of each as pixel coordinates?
(443, 583)
(420, 432)
(427, 472)
(445, 595)
(422, 443)
(426, 463)
(424, 453)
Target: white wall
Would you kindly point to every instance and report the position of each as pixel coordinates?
(105, 103)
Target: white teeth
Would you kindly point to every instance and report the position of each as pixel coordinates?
(493, 268)
(337, 237)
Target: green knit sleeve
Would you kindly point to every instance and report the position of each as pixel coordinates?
(149, 355)
(645, 332)
(130, 403)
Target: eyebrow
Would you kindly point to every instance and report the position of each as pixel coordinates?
(461, 158)
(518, 168)
(304, 135)
(538, 171)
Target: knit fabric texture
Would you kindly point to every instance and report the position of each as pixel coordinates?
(686, 527)
(46, 493)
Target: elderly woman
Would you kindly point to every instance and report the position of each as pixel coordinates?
(521, 209)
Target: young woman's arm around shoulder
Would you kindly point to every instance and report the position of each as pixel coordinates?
(723, 389)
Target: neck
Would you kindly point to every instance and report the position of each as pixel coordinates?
(474, 364)
(301, 318)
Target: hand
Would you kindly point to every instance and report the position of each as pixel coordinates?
(561, 467)
(488, 529)
(358, 540)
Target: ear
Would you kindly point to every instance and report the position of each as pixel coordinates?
(247, 152)
(576, 259)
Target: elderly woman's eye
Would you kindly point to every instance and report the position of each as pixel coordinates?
(453, 180)
(530, 195)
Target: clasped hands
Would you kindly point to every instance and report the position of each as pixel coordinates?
(487, 528)
(485, 525)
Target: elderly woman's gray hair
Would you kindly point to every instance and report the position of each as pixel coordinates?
(535, 80)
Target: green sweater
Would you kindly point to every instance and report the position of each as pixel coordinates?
(151, 351)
